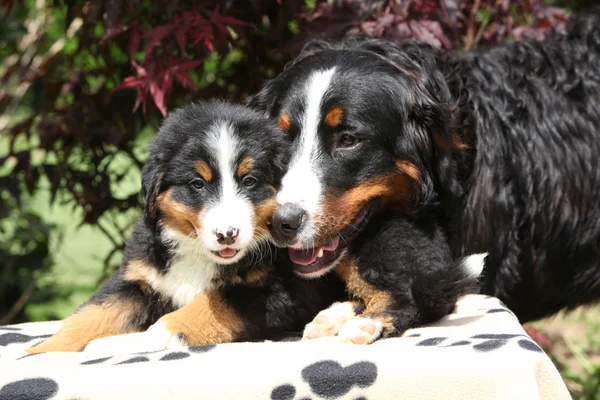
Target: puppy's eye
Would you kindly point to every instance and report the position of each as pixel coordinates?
(249, 181)
(197, 184)
(347, 141)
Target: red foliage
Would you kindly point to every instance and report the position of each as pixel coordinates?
(441, 23)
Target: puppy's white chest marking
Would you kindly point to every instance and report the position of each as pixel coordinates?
(189, 273)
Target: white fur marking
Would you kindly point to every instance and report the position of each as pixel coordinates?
(336, 316)
(352, 330)
(190, 270)
(474, 264)
(301, 185)
(232, 209)
(159, 337)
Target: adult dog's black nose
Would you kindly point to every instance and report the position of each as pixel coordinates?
(287, 220)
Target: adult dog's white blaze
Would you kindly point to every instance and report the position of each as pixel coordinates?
(232, 209)
(301, 185)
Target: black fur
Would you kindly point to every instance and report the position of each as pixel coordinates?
(409, 258)
(507, 141)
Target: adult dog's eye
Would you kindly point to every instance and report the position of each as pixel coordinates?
(347, 141)
(197, 184)
(249, 181)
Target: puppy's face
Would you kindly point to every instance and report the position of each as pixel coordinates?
(212, 178)
(362, 129)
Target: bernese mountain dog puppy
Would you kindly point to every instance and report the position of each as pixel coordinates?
(199, 268)
(500, 145)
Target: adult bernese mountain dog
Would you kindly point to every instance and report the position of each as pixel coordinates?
(501, 146)
(199, 268)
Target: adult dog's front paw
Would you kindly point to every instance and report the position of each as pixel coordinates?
(361, 330)
(329, 321)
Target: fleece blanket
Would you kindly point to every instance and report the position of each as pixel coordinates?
(478, 352)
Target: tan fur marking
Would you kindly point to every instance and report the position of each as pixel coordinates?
(409, 169)
(245, 167)
(284, 122)
(263, 213)
(137, 271)
(91, 322)
(208, 319)
(458, 143)
(256, 276)
(204, 170)
(178, 216)
(396, 191)
(334, 117)
(376, 301)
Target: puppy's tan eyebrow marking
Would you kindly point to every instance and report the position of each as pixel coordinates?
(284, 122)
(245, 167)
(204, 170)
(334, 117)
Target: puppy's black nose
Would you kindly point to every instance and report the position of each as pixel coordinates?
(228, 237)
(287, 220)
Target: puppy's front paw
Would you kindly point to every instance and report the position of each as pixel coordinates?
(329, 321)
(162, 336)
(361, 330)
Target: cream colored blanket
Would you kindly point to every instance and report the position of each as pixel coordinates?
(479, 352)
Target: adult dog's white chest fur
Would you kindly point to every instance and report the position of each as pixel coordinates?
(189, 271)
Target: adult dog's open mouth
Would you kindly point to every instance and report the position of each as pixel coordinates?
(315, 261)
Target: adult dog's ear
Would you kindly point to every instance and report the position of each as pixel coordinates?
(151, 186)
(263, 100)
(260, 101)
(447, 144)
(309, 49)
(439, 145)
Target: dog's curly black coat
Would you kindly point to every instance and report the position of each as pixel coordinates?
(507, 143)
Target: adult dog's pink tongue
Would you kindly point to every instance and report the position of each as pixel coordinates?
(309, 256)
(304, 256)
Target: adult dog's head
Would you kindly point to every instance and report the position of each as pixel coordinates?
(371, 125)
(211, 179)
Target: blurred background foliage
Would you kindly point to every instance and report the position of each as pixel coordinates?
(85, 84)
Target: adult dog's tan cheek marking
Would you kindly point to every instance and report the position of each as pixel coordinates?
(178, 216)
(91, 322)
(396, 190)
(208, 319)
(204, 170)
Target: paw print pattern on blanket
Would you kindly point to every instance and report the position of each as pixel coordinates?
(11, 338)
(485, 342)
(38, 388)
(329, 379)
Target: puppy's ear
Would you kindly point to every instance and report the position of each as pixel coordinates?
(151, 185)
